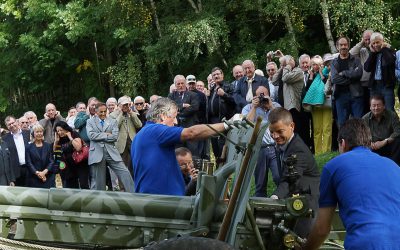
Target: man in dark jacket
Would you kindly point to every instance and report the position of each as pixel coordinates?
(220, 105)
(188, 107)
(247, 85)
(381, 64)
(290, 144)
(346, 72)
(17, 141)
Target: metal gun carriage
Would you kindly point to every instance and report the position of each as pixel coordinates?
(70, 218)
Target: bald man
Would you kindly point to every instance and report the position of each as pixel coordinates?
(247, 85)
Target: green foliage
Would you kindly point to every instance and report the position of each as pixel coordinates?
(43, 43)
(353, 17)
(127, 75)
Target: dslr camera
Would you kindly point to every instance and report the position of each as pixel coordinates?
(262, 99)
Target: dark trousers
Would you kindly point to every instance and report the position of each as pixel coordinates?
(126, 155)
(391, 151)
(20, 181)
(304, 127)
(78, 176)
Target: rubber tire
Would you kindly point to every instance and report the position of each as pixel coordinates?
(189, 242)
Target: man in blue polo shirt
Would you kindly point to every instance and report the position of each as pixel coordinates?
(366, 188)
(155, 168)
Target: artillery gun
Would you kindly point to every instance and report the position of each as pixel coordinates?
(89, 219)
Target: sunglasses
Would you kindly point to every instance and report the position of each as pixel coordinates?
(139, 103)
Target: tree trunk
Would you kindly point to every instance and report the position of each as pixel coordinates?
(192, 3)
(327, 26)
(290, 29)
(157, 24)
(260, 17)
(111, 85)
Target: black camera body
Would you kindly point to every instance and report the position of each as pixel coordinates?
(262, 99)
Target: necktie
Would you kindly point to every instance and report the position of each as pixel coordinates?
(305, 77)
(249, 95)
(102, 123)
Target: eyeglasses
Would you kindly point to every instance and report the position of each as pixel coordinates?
(270, 70)
(191, 80)
(138, 103)
(187, 164)
(23, 122)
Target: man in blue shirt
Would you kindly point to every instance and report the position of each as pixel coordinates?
(156, 170)
(366, 188)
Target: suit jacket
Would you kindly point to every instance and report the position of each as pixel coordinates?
(49, 128)
(225, 104)
(306, 167)
(6, 173)
(388, 67)
(39, 162)
(36, 162)
(99, 139)
(242, 88)
(14, 160)
(186, 116)
(126, 129)
(293, 84)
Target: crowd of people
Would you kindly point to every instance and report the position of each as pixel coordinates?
(148, 147)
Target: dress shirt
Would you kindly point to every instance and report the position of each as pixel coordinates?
(20, 145)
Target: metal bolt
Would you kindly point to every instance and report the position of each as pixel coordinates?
(36, 222)
(129, 228)
(81, 225)
(66, 224)
(106, 227)
(94, 226)
(116, 228)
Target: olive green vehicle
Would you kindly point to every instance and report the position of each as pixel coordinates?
(222, 209)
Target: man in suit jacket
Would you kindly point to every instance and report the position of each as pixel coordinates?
(188, 106)
(103, 132)
(6, 174)
(128, 122)
(290, 144)
(17, 141)
(243, 95)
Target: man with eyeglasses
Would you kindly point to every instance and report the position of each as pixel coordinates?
(155, 167)
(272, 68)
(23, 123)
(17, 140)
(189, 173)
(140, 107)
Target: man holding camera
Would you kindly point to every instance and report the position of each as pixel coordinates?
(261, 105)
(189, 172)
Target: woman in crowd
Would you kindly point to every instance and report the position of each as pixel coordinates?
(39, 159)
(74, 175)
(315, 100)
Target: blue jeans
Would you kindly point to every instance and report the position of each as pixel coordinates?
(347, 105)
(388, 94)
(266, 160)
